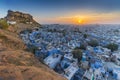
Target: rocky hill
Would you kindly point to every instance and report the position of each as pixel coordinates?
(20, 17)
(18, 64)
(19, 21)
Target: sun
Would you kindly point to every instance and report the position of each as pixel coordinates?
(80, 21)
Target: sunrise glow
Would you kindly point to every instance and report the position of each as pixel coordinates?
(80, 21)
(67, 11)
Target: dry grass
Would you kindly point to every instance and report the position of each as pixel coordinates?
(10, 41)
(26, 73)
(21, 65)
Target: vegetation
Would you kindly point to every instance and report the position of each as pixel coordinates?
(11, 43)
(82, 47)
(3, 24)
(116, 30)
(77, 53)
(112, 47)
(93, 43)
(85, 35)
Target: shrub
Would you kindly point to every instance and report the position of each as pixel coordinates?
(77, 53)
(112, 47)
(85, 35)
(3, 24)
(93, 43)
(82, 47)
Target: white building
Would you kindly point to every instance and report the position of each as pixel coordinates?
(106, 50)
(117, 72)
(52, 60)
(71, 70)
(115, 69)
(88, 74)
(69, 56)
(11, 22)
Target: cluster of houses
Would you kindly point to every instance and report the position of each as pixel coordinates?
(55, 44)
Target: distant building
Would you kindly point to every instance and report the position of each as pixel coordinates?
(88, 74)
(71, 70)
(52, 60)
(68, 56)
(29, 22)
(11, 22)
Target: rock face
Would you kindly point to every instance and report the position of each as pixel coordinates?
(20, 17)
(20, 21)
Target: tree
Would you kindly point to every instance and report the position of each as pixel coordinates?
(82, 47)
(93, 43)
(85, 35)
(112, 46)
(3, 24)
(77, 53)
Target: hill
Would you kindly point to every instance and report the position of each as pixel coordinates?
(15, 62)
(19, 21)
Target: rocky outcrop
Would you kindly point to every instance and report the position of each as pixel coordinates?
(20, 21)
(20, 17)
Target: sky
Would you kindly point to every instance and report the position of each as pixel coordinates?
(66, 11)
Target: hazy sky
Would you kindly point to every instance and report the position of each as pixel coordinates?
(66, 11)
